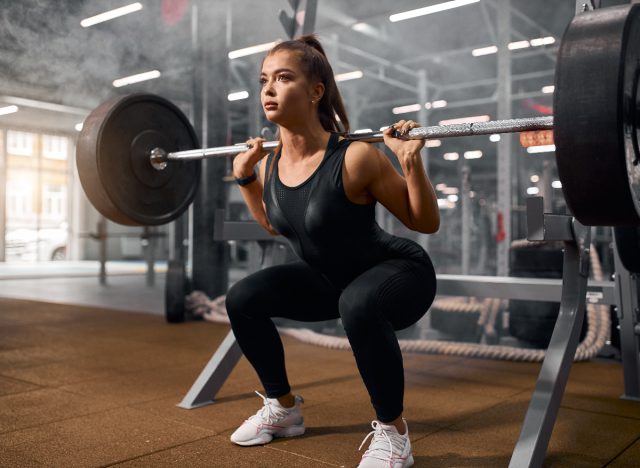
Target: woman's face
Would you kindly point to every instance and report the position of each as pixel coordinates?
(286, 93)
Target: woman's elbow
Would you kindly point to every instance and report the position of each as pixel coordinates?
(430, 226)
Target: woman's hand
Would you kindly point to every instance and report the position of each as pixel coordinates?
(402, 148)
(244, 163)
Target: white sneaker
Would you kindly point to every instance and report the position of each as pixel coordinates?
(272, 420)
(388, 448)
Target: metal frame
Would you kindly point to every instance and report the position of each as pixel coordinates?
(629, 318)
(547, 395)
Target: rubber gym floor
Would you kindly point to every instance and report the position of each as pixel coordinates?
(91, 385)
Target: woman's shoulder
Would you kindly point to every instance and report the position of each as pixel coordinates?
(361, 158)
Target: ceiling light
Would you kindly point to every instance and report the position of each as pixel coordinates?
(533, 191)
(540, 41)
(79, 126)
(495, 138)
(518, 45)
(450, 190)
(405, 109)
(476, 154)
(256, 49)
(463, 120)
(439, 104)
(548, 89)
(238, 95)
(111, 14)
(127, 80)
(430, 9)
(8, 110)
(363, 130)
(452, 198)
(484, 51)
(360, 27)
(534, 178)
(450, 156)
(354, 75)
(541, 149)
(441, 186)
(445, 204)
(556, 184)
(433, 143)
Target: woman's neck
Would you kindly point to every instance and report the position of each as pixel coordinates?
(302, 142)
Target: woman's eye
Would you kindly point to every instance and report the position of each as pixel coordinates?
(283, 78)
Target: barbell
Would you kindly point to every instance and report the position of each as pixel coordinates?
(139, 163)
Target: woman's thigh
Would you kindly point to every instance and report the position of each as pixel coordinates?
(293, 291)
(399, 290)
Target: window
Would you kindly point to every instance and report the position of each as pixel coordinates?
(54, 147)
(19, 200)
(20, 143)
(54, 201)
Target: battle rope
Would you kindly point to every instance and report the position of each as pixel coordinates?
(598, 328)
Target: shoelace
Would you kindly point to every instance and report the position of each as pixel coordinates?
(382, 445)
(268, 414)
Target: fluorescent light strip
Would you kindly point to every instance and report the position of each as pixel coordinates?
(430, 9)
(548, 89)
(8, 110)
(452, 198)
(256, 49)
(463, 120)
(533, 191)
(354, 75)
(514, 46)
(405, 109)
(127, 80)
(433, 143)
(111, 14)
(541, 149)
(439, 104)
(484, 51)
(360, 27)
(445, 204)
(363, 130)
(79, 126)
(43, 105)
(556, 184)
(494, 138)
(540, 41)
(450, 190)
(451, 156)
(518, 45)
(476, 154)
(237, 96)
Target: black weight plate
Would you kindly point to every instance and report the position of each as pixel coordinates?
(628, 245)
(175, 290)
(112, 156)
(594, 115)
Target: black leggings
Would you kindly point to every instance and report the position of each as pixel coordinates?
(390, 296)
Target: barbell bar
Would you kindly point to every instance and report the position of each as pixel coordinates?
(138, 164)
(159, 157)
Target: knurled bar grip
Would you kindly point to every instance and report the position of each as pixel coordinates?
(438, 131)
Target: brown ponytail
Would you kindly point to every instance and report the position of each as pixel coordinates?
(317, 68)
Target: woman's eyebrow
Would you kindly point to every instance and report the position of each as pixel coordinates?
(279, 70)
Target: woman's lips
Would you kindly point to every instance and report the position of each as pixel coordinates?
(270, 105)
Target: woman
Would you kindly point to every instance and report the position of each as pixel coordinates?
(319, 191)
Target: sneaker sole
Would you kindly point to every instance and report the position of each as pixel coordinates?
(265, 438)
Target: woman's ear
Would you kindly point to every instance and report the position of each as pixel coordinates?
(317, 92)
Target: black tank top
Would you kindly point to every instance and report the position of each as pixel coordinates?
(335, 236)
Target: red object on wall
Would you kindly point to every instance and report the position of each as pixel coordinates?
(500, 232)
(173, 11)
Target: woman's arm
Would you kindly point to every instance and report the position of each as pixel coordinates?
(243, 166)
(412, 198)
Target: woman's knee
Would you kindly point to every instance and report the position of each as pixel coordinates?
(243, 298)
(357, 308)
